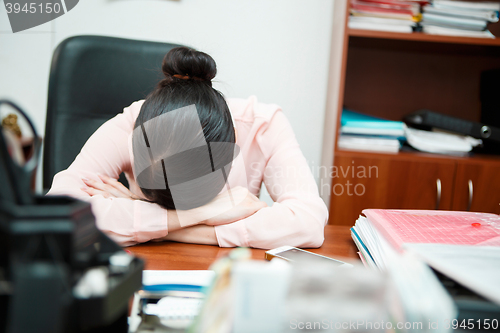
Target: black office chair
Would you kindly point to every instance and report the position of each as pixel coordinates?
(92, 78)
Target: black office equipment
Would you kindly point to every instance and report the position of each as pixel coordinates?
(426, 119)
(490, 98)
(470, 305)
(15, 179)
(92, 78)
(48, 247)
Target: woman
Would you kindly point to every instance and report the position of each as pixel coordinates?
(176, 149)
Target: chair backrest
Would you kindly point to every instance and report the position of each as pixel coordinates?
(92, 78)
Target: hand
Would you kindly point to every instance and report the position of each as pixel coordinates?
(245, 208)
(109, 188)
(198, 234)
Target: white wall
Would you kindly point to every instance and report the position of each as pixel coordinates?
(277, 50)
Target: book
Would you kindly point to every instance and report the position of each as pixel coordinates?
(353, 122)
(381, 24)
(410, 12)
(435, 226)
(471, 5)
(400, 16)
(380, 27)
(488, 15)
(381, 20)
(459, 18)
(454, 22)
(402, 2)
(464, 246)
(371, 144)
(438, 30)
(386, 7)
(367, 133)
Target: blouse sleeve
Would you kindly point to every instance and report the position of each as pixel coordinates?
(298, 215)
(107, 153)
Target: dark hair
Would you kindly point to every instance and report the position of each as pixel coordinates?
(168, 149)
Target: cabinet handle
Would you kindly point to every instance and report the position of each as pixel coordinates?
(471, 194)
(438, 196)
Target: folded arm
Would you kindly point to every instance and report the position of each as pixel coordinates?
(120, 213)
(298, 215)
(106, 153)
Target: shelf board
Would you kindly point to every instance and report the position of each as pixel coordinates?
(418, 36)
(401, 155)
(418, 156)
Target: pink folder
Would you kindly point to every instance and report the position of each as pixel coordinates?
(436, 226)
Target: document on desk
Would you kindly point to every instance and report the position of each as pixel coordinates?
(435, 226)
(376, 248)
(180, 298)
(475, 267)
(196, 278)
(385, 231)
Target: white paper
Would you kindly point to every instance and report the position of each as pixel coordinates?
(439, 142)
(196, 278)
(368, 143)
(476, 267)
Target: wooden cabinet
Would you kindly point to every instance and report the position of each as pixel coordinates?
(411, 181)
(402, 181)
(390, 75)
(477, 186)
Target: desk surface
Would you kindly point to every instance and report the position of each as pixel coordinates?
(171, 255)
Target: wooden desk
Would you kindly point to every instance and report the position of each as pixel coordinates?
(180, 256)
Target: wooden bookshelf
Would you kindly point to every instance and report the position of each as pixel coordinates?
(390, 75)
(422, 37)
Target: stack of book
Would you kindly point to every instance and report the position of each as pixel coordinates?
(385, 15)
(362, 132)
(459, 18)
(464, 246)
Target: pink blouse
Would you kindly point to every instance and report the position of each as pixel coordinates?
(269, 153)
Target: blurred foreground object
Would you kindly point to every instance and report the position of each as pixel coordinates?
(10, 123)
(58, 272)
(278, 296)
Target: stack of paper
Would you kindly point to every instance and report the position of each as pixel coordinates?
(363, 132)
(385, 15)
(464, 240)
(440, 142)
(371, 144)
(477, 267)
(459, 18)
(168, 299)
(381, 24)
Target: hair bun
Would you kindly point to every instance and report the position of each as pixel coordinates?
(188, 64)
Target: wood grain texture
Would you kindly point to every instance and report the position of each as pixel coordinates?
(421, 37)
(390, 75)
(391, 79)
(180, 256)
(395, 182)
(408, 181)
(485, 177)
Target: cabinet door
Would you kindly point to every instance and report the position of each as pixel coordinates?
(477, 186)
(368, 181)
